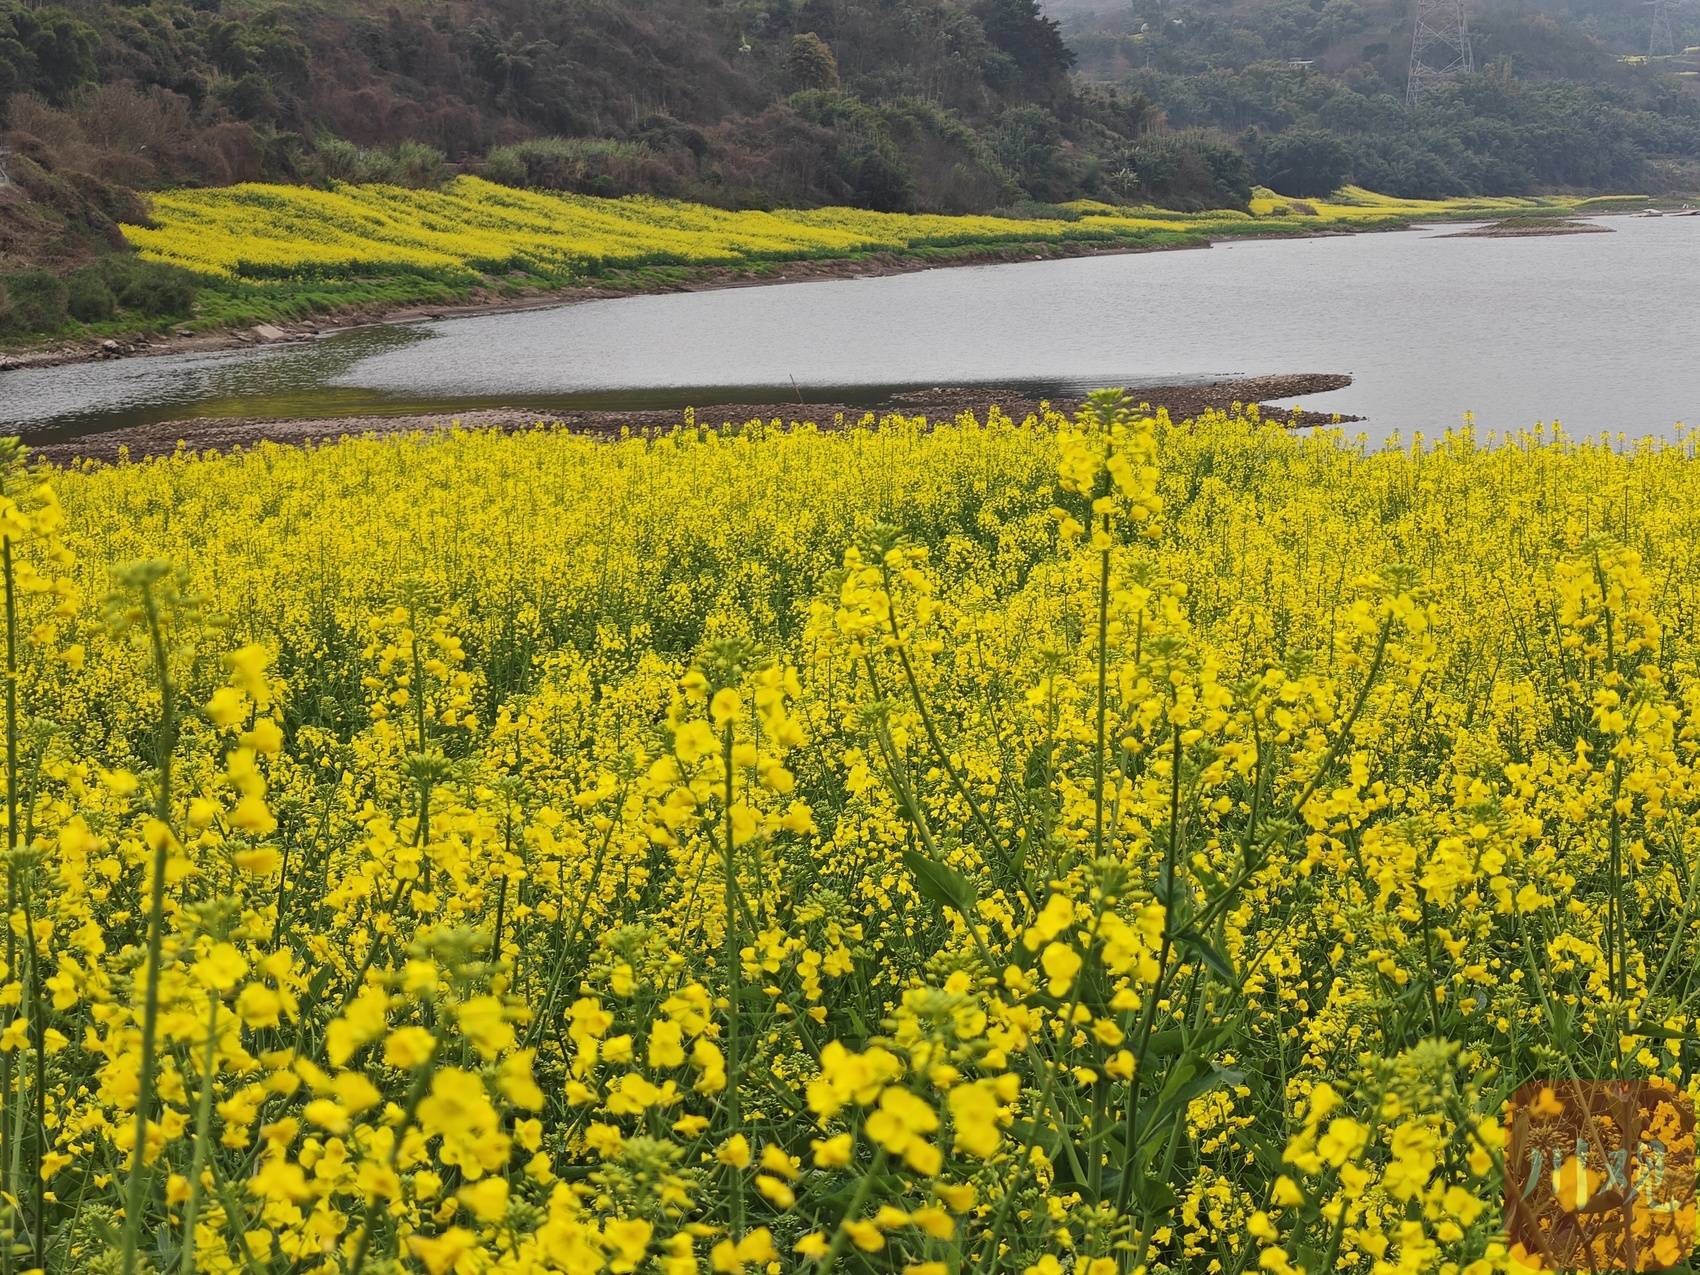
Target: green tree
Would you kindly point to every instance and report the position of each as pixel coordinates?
(809, 63)
(1020, 30)
(1028, 142)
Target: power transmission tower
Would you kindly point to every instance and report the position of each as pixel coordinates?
(1662, 42)
(1440, 46)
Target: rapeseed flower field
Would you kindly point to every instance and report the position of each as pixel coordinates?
(1095, 845)
(475, 228)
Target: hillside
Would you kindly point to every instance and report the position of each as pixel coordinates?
(897, 105)
(942, 105)
(1565, 38)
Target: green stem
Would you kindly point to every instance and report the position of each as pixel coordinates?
(930, 729)
(424, 787)
(1024, 1164)
(1148, 1016)
(15, 1159)
(133, 1197)
(1428, 956)
(1103, 697)
(863, 1188)
(733, 981)
(502, 888)
(566, 942)
(38, 1045)
(8, 1131)
(203, 1134)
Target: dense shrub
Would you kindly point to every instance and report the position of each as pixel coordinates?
(873, 169)
(249, 97)
(955, 168)
(410, 164)
(138, 137)
(170, 94)
(585, 167)
(775, 159)
(117, 286)
(151, 290)
(1493, 133)
(875, 172)
(1190, 170)
(89, 297)
(1303, 163)
(38, 302)
(45, 50)
(1028, 141)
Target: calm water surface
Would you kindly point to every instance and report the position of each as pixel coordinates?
(1597, 331)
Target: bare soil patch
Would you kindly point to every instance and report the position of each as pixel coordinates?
(941, 403)
(1529, 228)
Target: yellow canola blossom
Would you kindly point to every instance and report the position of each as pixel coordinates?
(471, 229)
(1355, 204)
(475, 227)
(1100, 844)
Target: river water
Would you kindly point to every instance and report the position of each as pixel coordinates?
(1597, 331)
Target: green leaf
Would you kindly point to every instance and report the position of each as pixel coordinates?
(1197, 945)
(1155, 1194)
(941, 885)
(1165, 1043)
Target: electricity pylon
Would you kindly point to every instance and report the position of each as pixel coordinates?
(1662, 42)
(1440, 46)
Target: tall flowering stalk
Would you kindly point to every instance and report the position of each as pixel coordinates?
(148, 603)
(33, 564)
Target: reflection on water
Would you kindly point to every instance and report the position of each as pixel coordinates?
(268, 381)
(1600, 331)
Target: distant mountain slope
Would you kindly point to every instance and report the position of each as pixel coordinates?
(1562, 37)
(1313, 90)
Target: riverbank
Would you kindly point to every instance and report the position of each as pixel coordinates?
(941, 403)
(650, 282)
(367, 258)
(654, 281)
